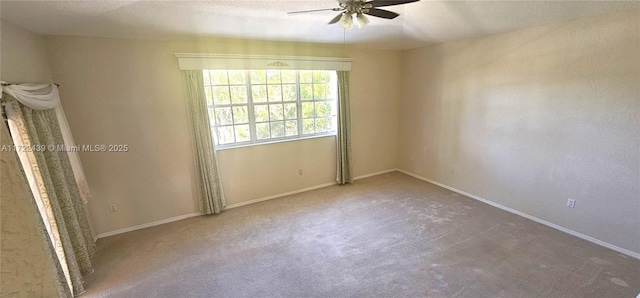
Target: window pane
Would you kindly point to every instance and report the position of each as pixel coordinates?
(219, 77)
(225, 134)
(258, 76)
(237, 77)
(208, 95)
(306, 91)
(308, 126)
(321, 77)
(240, 115)
(322, 124)
(319, 91)
(259, 93)
(242, 133)
(291, 128)
(261, 113)
(205, 77)
(276, 112)
(288, 76)
(220, 95)
(306, 76)
(307, 110)
(273, 77)
(223, 116)
(290, 111)
(212, 118)
(277, 129)
(262, 131)
(334, 123)
(275, 93)
(238, 94)
(330, 92)
(289, 92)
(323, 109)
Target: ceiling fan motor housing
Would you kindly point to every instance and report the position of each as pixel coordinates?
(357, 7)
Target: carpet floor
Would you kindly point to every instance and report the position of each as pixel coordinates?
(389, 235)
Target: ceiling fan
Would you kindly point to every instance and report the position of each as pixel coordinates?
(359, 8)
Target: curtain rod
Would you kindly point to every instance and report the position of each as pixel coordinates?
(7, 84)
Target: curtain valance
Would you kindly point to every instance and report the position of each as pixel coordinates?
(34, 96)
(194, 61)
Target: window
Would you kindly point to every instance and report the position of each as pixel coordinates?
(260, 106)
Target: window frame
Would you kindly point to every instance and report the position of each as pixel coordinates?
(250, 104)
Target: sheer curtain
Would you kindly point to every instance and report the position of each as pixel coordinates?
(36, 131)
(212, 197)
(344, 166)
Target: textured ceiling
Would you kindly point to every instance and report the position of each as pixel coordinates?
(419, 23)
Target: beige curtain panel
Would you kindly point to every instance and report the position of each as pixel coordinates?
(55, 189)
(345, 169)
(15, 186)
(212, 197)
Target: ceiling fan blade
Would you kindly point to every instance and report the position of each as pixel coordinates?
(314, 10)
(381, 13)
(381, 3)
(336, 19)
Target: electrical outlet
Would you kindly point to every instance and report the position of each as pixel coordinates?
(113, 208)
(571, 203)
(300, 172)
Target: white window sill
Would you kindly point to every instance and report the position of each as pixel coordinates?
(236, 146)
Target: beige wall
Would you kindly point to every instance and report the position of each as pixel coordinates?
(530, 118)
(24, 56)
(118, 91)
(26, 269)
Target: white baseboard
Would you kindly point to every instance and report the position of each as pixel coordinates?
(147, 225)
(531, 217)
(374, 174)
(234, 205)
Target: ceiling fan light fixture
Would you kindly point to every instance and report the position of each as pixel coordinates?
(346, 21)
(362, 20)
